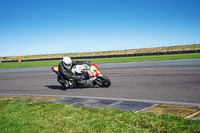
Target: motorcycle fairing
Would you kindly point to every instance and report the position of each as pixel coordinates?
(93, 70)
(55, 69)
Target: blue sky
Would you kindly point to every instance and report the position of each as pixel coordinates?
(29, 27)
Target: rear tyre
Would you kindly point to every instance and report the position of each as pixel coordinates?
(105, 81)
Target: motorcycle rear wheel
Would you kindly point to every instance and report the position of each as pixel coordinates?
(105, 81)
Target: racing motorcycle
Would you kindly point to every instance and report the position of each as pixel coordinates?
(92, 73)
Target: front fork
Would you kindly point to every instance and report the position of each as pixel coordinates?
(97, 81)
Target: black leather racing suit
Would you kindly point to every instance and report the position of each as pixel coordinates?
(66, 75)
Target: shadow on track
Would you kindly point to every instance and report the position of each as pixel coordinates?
(59, 87)
(56, 87)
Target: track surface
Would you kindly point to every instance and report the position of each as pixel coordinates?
(176, 81)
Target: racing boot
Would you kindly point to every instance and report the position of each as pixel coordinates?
(63, 82)
(66, 84)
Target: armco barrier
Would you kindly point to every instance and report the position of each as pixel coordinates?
(111, 56)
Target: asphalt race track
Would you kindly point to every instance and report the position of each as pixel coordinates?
(172, 81)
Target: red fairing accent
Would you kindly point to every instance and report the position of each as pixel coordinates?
(91, 74)
(96, 73)
(96, 67)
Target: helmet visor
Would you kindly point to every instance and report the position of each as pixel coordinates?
(66, 65)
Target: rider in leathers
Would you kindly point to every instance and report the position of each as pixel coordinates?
(66, 75)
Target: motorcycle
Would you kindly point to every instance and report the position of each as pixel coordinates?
(92, 73)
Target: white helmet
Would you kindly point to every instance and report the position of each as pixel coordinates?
(67, 62)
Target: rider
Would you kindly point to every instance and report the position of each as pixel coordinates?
(66, 74)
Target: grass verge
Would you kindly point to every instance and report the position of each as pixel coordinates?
(181, 48)
(24, 116)
(102, 60)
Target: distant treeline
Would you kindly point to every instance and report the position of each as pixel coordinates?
(112, 56)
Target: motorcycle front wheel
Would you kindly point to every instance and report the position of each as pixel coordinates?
(105, 81)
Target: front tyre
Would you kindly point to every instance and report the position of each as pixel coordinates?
(105, 81)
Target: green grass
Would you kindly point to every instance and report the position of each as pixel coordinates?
(29, 64)
(146, 58)
(102, 60)
(23, 116)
